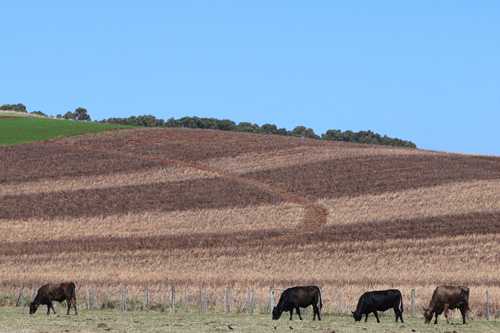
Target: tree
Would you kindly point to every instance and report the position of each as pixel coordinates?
(81, 114)
(40, 113)
(69, 115)
(19, 107)
(304, 132)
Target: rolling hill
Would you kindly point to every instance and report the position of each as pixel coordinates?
(154, 207)
(19, 127)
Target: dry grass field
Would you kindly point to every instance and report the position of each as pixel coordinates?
(191, 208)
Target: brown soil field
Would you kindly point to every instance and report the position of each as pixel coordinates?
(192, 208)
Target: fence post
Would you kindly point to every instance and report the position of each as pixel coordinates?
(124, 299)
(93, 298)
(33, 293)
(146, 298)
(19, 296)
(488, 310)
(413, 303)
(227, 306)
(172, 299)
(205, 300)
(251, 297)
(271, 299)
(200, 299)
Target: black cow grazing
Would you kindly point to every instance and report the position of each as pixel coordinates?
(299, 297)
(445, 298)
(381, 300)
(55, 292)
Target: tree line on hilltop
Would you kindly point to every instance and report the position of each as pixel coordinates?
(79, 113)
(368, 137)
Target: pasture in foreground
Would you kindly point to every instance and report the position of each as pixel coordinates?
(17, 320)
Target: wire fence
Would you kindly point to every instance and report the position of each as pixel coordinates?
(222, 300)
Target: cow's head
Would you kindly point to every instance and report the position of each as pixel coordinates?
(427, 315)
(276, 313)
(356, 315)
(33, 307)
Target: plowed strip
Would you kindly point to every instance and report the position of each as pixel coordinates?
(52, 160)
(378, 174)
(184, 195)
(450, 226)
(456, 198)
(187, 144)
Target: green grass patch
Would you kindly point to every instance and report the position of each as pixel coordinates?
(15, 129)
(17, 320)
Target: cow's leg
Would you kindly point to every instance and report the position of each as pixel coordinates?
(52, 306)
(74, 306)
(463, 312)
(291, 313)
(316, 312)
(68, 303)
(436, 320)
(366, 317)
(376, 316)
(298, 312)
(48, 309)
(446, 313)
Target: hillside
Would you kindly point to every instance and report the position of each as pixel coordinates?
(199, 207)
(17, 127)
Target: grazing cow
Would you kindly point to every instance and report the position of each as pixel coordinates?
(55, 292)
(299, 297)
(381, 300)
(445, 298)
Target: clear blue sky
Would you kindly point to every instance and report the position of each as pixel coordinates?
(428, 71)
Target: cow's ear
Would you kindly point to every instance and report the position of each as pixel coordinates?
(352, 312)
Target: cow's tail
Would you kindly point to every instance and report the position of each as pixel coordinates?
(401, 308)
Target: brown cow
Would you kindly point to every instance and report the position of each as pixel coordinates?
(445, 298)
(55, 292)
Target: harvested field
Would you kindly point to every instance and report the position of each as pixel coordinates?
(51, 160)
(188, 145)
(149, 224)
(190, 208)
(378, 174)
(148, 176)
(253, 162)
(426, 202)
(181, 195)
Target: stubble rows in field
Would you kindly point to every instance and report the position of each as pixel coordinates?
(156, 207)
